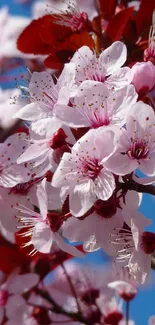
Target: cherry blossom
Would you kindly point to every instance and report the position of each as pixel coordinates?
(95, 229)
(73, 18)
(126, 288)
(11, 173)
(48, 136)
(43, 226)
(106, 68)
(112, 313)
(95, 106)
(151, 320)
(82, 171)
(136, 148)
(19, 312)
(134, 246)
(44, 94)
(12, 289)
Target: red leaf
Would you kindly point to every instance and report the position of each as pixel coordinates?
(57, 59)
(46, 36)
(144, 16)
(117, 25)
(76, 40)
(30, 39)
(108, 8)
(11, 258)
(63, 51)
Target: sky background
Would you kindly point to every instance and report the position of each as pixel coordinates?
(143, 305)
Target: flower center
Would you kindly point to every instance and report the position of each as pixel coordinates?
(148, 242)
(78, 21)
(98, 77)
(41, 315)
(3, 297)
(91, 168)
(23, 188)
(89, 296)
(58, 140)
(138, 150)
(106, 209)
(54, 220)
(113, 317)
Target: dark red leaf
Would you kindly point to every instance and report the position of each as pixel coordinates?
(144, 17)
(117, 25)
(63, 51)
(11, 258)
(76, 40)
(57, 59)
(30, 40)
(108, 8)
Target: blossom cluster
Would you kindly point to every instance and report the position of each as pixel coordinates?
(78, 154)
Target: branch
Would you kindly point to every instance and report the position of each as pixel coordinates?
(131, 185)
(59, 310)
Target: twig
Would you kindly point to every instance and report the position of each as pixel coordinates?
(59, 310)
(140, 188)
(71, 286)
(127, 312)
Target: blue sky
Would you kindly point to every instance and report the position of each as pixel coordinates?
(144, 304)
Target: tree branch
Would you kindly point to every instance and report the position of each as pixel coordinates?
(59, 310)
(131, 185)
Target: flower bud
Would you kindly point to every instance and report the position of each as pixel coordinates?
(149, 53)
(143, 77)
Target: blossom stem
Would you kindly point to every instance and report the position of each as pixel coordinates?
(127, 312)
(71, 286)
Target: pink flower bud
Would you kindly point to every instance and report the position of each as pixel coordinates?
(149, 53)
(143, 77)
(3, 297)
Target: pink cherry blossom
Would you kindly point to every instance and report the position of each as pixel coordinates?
(44, 226)
(101, 223)
(151, 320)
(10, 173)
(44, 94)
(143, 77)
(112, 312)
(105, 68)
(125, 288)
(136, 143)
(66, 7)
(13, 288)
(8, 199)
(95, 229)
(6, 234)
(134, 246)
(48, 136)
(95, 106)
(82, 171)
(72, 17)
(25, 194)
